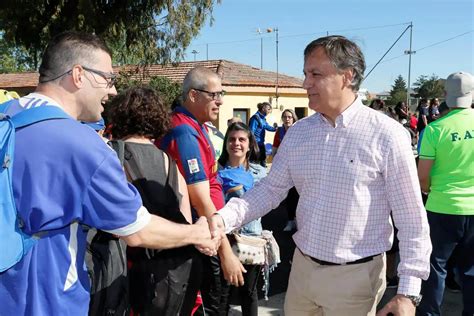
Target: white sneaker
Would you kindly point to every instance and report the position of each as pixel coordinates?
(290, 225)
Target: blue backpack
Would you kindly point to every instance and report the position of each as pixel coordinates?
(14, 243)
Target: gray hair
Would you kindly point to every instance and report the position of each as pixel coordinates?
(66, 50)
(197, 78)
(343, 53)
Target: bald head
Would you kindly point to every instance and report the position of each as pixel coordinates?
(198, 78)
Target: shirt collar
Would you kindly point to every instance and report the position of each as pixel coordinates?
(38, 96)
(261, 114)
(183, 110)
(346, 117)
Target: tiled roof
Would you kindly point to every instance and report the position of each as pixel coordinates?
(19, 80)
(232, 74)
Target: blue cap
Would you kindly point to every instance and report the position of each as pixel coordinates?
(96, 126)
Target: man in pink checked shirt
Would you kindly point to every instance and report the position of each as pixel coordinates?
(352, 167)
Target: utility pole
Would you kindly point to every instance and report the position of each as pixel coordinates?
(259, 32)
(409, 53)
(276, 89)
(275, 30)
(270, 30)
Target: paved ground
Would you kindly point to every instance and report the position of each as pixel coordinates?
(275, 222)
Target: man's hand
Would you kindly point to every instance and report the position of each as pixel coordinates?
(205, 242)
(232, 269)
(399, 305)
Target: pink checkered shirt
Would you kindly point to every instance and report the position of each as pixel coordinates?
(349, 177)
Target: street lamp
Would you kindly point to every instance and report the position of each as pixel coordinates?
(194, 52)
(270, 30)
(275, 30)
(409, 52)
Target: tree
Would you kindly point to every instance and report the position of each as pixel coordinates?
(12, 59)
(141, 31)
(429, 87)
(399, 91)
(168, 90)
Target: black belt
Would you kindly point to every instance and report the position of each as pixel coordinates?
(327, 263)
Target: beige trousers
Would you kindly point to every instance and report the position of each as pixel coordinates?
(347, 290)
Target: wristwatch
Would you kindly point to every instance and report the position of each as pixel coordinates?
(416, 299)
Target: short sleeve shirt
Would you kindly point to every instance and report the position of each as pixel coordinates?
(64, 177)
(449, 141)
(189, 145)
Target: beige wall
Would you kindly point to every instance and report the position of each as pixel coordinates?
(249, 97)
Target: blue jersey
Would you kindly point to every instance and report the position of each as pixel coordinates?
(64, 177)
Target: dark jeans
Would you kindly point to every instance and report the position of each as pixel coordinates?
(262, 155)
(214, 288)
(248, 293)
(448, 232)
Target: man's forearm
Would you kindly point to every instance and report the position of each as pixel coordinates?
(161, 233)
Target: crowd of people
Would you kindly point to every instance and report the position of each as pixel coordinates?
(180, 190)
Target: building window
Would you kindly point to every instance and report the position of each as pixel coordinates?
(243, 114)
(301, 112)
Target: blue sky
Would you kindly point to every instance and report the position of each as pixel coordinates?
(374, 25)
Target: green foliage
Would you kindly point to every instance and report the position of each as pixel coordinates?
(141, 31)
(429, 87)
(398, 92)
(167, 89)
(12, 59)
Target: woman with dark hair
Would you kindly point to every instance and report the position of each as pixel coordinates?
(258, 125)
(159, 280)
(238, 174)
(401, 109)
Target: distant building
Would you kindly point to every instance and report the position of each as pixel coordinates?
(363, 94)
(384, 95)
(245, 86)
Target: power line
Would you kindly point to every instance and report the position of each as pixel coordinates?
(444, 41)
(388, 50)
(306, 34)
(428, 46)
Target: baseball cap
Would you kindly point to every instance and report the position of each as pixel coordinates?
(459, 87)
(96, 126)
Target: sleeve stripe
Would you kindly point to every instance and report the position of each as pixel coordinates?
(427, 157)
(143, 218)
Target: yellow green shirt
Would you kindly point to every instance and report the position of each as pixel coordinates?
(449, 141)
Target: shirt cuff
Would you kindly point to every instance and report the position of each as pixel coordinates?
(409, 285)
(226, 218)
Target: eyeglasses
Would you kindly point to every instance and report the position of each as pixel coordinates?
(213, 95)
(111, 78)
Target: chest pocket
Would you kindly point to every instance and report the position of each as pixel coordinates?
(361, 168)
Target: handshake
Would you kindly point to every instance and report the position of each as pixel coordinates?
(209, 234)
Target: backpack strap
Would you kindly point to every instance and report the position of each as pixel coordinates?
(38, 114)
(6, 105)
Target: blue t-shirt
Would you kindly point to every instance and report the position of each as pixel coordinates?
(64, 176)
(233, 177)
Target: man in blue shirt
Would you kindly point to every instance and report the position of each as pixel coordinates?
(66, 177)
(258, 125)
